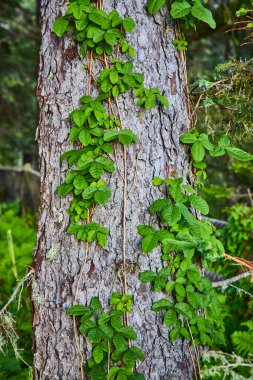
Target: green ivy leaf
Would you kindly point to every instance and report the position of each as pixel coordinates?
(60, 26)
(203, 14)
(155, 5)
(149, 242)
(79, 117)
(170, 286)
(128, 24)
(198, 152)
(174, 335)
(188, 138)
(112, 372)
(64, 189)
(95, 304)
(170, 318)
(199, 204)
(111, 135)
(102, 195)
(147, 276)
(77, 310)
(96, 170)
(193, 274)
(128, 332)
(161, 305)
(126, 137)
(159, 205)
(180, 9)
(239, 154)
(101, 239)
(145, 230)
(79, 182)
(84, 137)
(183, 309)
(98, 354)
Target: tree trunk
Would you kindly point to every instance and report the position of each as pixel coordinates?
(58, 256)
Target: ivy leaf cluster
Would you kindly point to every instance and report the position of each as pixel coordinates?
(189, 11)
(112, 357)
(94, 28)
(193, 241)
(200, 144)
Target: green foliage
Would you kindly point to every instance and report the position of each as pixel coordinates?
(194, 241)
(19, 47)
(190, 12)
(91, 126)
(109, 337)
(243, 340)
(17, 236)
(94, 28)
(225, 366)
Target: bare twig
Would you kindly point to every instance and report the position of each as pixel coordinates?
(20, 285)
(231, 280)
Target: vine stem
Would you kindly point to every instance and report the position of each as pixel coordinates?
(195, 349)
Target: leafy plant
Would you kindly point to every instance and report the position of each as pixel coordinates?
(112, 355)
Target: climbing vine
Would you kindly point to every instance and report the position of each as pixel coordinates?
(189, 303)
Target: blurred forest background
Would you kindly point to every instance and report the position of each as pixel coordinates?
(220, 73)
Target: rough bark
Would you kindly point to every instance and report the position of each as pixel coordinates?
(58, 256)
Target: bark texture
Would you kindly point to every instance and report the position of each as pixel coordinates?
(58, 256)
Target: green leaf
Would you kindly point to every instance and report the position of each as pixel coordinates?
(126, 137)
(170, 286)
(198, 152)
(84, 137)
(98, 373)
(107, 331)
(180, 290)
(170, 318)
(149, 242)
(111, 135)
(180, 9)
(107, 163)
(60, 26)
(112, 372)
(159, 205)
(217, 152)
(64, 189)
(161, 305)
(171, 215)
(79, 117)
(174, 335)
(203, 14)
(157, 181)
(80, 182)
(102, 195)
(94, 335)
(128, 332)
(119, 342)
(114, 76)
(239, 154)
(147, 276)
(165, 272)
(128, 24)
(199, 204)
(95, 304)
(77, 310)
(163, 100)
(193, 274)
(183, 309)
(203, 138)
(96, 170)
(145, 230)
(155, 5)
(101, 239)
(188, 138)
(98, 354)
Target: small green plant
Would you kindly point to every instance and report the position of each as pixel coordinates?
(112, 355)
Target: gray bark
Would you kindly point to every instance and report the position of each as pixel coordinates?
(58, 256)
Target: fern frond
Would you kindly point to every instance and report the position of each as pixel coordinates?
(243, 342)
